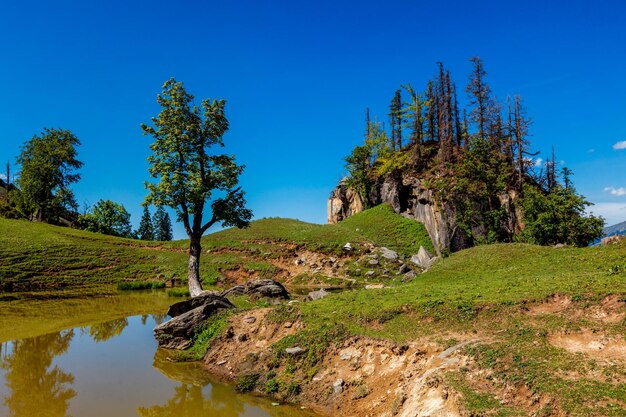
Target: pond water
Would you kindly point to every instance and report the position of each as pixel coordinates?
(113, 368)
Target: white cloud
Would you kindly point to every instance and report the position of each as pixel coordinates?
(613, 213)
(620, 145)
(615, 191)
(539, 162)
(3, 177)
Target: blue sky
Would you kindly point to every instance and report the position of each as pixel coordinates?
(298, 75)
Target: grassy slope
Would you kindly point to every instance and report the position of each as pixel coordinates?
(43, 257)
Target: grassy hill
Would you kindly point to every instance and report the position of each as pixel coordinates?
(44, 257)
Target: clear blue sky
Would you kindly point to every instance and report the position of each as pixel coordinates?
(298, 75)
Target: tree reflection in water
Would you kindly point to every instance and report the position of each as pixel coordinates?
(102, 332)
(35, 388)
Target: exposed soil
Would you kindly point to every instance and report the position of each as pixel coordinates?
(594, 344)
(380, 378)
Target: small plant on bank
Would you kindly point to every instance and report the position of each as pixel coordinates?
(246, 383)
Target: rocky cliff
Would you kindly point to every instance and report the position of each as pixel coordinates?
(409, 197)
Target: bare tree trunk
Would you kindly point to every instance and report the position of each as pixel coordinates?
(193, 271)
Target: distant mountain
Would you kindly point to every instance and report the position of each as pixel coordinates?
(616, 229)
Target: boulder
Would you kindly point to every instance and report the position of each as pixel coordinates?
(423, 258)
(404, 268)
(372, 262)
(178, 332)
(234, 291)
(266, 288)
(347, 247)
(316, 295)
(206, 297)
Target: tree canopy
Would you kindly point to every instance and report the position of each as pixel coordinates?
(107, 217)
(48, 168)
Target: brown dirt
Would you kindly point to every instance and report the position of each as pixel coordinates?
(555, 304)
(597, 345)
(612, 309)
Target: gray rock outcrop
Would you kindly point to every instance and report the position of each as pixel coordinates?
(423, 258)
(409, 197)
(343, 203)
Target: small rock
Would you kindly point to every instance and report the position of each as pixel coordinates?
(409, 276)
(345, 356)
(559, 246)
(288, 325)
(220, 363)
(373, 262)
(388, 254)
(374, 286)
(370, 273)
(294, 350)
(347, 247)
(250, 319)
(275, 404)
(332, 259)
(242, 337)
(316, 295)
(338, 386)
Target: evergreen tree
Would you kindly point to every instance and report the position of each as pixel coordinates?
(145, 231)
(480, 96)
(162, 225)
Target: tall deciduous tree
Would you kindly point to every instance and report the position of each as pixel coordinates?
(188, 172)
(145, 231)
(49, 167)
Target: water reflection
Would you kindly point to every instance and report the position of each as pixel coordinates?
(111, 369)
(37, 388)
(102, 332)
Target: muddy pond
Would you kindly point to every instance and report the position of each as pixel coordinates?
(65, 362)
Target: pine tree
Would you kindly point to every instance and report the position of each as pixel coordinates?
(480, 96)
(162, 225)
(396, 120)
(520, 132)
(146, 230)
(431, 117)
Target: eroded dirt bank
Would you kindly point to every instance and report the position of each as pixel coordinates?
(338, 374)
(360, 377)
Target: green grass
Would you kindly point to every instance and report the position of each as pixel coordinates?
(379, 225)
